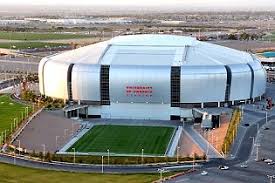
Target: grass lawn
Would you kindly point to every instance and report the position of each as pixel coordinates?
(26, 44)
(8, 111)
(125, 139)
(30, 36)
(16, 174)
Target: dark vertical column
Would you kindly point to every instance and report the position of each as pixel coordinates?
(228, 83)
(69, 82)
(104, 85)
(252, 81)
(175, 86)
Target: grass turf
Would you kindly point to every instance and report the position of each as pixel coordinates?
(16, 174)
(26, 45)
(125, 139)
(8, 111)
(31, 36)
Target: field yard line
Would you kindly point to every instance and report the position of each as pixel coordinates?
(174, 143)
(75, 139)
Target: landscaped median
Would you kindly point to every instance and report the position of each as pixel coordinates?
(29, 175)
(232, 130)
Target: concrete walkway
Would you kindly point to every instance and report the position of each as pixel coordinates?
(175, 141)
(84, 130)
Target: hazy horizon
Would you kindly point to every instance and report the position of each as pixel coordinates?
(240, 5)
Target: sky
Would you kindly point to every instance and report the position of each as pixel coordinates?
(215, 3)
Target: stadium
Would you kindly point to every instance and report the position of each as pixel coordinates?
(156, 77)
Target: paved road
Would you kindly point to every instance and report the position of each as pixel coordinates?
(8, 83)
(91, 168)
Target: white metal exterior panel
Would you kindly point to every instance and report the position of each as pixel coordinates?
(202, 84)
(87, 54)
(240, 82)
(142, 55)
(140, 84)
(225, 55)
(94, 110)
(259, 79)
(86, 82)
(186, 113)
(55, 79)
(137, 111)
(154, 40)
(41, 75)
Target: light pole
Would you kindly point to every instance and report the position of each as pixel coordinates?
(142, 152)
(253, 141)
(2, 137)
(74, 154)
(193, 162)
(178, 148)
(22, 115)
(19, 147)
(102, 164)
(257, 152)
(14, 156)
(5, 135)
(161, 170)
(11, 127)
(44, 149)
(14, 123)
(212, 138)
(26, 112)
(65, 133)
(108, 152)
(56, 139)
(182, 122)
(17, 121)
(265, 117)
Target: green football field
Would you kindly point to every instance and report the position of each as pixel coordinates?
(28, 45)
(125, 140)
(31, 36)
(8, 111)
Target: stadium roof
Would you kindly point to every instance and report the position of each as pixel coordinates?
(154, 50)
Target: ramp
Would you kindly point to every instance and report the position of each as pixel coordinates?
(202, 143)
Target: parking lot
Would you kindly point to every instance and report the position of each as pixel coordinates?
(256, 171)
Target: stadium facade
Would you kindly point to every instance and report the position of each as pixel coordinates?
(152, 77)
